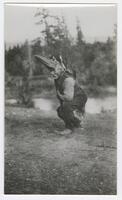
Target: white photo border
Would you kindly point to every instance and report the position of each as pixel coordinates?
(119, 100)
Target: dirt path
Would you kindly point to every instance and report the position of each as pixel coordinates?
(41, 161)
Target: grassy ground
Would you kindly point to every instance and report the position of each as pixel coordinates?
(38, 160)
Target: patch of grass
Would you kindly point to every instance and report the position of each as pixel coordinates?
(38, 160)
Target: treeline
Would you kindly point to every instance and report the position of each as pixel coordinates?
(95, 63)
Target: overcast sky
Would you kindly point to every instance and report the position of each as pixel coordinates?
(97, 23)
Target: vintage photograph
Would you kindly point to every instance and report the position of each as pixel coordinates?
(60, 99)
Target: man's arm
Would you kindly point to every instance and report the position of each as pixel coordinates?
(68, 92)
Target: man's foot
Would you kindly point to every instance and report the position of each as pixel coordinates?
(66, 132)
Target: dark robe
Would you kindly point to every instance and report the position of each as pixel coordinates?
(67, 107)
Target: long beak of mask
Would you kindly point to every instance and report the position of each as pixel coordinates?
(50, 64)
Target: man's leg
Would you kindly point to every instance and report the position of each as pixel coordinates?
(79, 115)
(61, 115)
(66, 113)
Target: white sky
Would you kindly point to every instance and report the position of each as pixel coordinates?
(97, 23)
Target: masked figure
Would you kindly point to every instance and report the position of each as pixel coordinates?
(71, 96)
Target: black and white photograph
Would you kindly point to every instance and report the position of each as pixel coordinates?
(60, 99)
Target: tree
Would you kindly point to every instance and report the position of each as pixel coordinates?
(99, 70)
(54, 35)
(13, 61)
(80, 36)
(79, 50)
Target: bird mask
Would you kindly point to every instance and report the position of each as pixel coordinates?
(55, 67)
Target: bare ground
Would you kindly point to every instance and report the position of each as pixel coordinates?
(38, 160)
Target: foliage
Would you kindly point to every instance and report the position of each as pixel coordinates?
(94, 63)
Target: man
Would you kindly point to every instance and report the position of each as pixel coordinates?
(71, 96)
